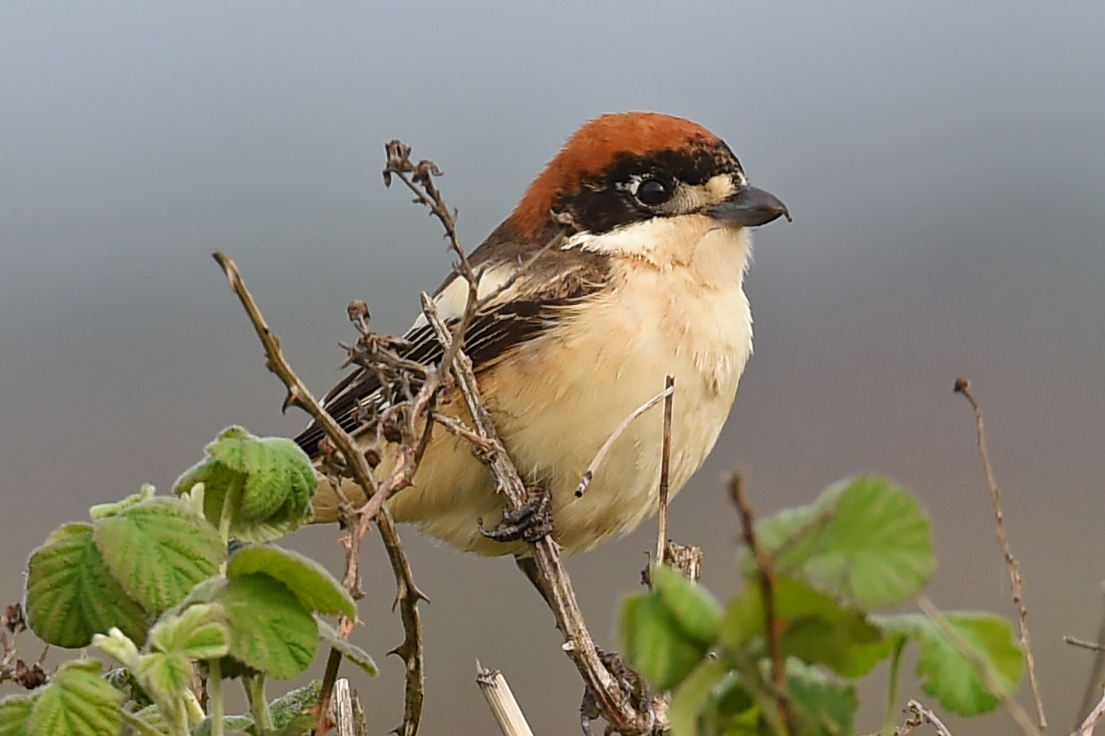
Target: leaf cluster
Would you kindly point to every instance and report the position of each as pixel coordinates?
(863, 545)
(156, 583)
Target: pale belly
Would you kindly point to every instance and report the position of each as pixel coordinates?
(554, 411)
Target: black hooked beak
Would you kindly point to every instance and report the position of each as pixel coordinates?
(749, 207)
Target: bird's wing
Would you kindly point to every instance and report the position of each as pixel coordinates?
(528, 298)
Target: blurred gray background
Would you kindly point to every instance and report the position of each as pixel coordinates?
(945, 163)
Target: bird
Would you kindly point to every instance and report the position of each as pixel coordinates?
(623, 263)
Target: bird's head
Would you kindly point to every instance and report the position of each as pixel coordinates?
(630, 169)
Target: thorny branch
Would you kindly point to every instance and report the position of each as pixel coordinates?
(615, 705)
(963, 386)
(765, 569)
(1086, 728)
(356, 464)
(665, 469)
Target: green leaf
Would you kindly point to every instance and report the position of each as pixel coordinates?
(311, 583)
(865, 540)
(688, 702)
(814, 628)
(15, 715)
(232, 725)
(655, 644)
(118, 646)
(104, 510)
(821, 706)
(274, 476)
(289, 708)
(168, 674)
(692, 605)
(950, 675)
(71, 595)
(352, 652)
(77, 702)
(197, 632)
(158, 550)
(270, 630)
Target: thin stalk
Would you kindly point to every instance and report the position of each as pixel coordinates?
(215, 687)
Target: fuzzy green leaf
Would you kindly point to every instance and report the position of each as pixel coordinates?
(169, 674)
(270, 630)
(864, 540)
(814, 627)
(71, 595)
(352, 652)
(692, 605)
(271, 478)
(954, 677)
(77, 702)
(158, 550)
(655, 644)
(311, 583)
(198, 632)
(821, 706)
(15, 715)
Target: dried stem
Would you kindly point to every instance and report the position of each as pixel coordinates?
(665, 468)
(357, 465)
(766, 573)
(614, 704)
(501, 701)
(589, 474)
(989, 680)
(1084, 644)
(920, 715)
(963, 386)
(1093, 683)
(1086, 728)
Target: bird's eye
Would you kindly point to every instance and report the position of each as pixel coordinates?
(653, 192)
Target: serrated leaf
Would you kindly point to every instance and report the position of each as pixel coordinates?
(158, 550)
(654, 643)
(77, 702)
(15, 715)
(104, 510)
(71, 595)
(169, 674)
(271, 478)
(821, 706)
(351, 651)
(197, 632)
(311, 583)
(864, 540)
(688, 702)
(152, 716)
(696, 611)
(813, 627)
(270, 630)
(952, 676)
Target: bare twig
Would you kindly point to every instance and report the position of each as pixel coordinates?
(921, 715)
(1084, 644)
(613, 703)
(1093, 683)
(766, 574)
(665, 467)
(589, 474)
(501, 701)
(1086, 728)
(985, 673)
(963, 386)
(356, 463)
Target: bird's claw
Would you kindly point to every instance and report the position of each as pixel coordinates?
(531, 523)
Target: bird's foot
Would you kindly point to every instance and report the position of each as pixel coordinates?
(531, 523)
(632, 686)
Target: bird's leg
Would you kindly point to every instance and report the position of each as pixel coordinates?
(530, 523)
